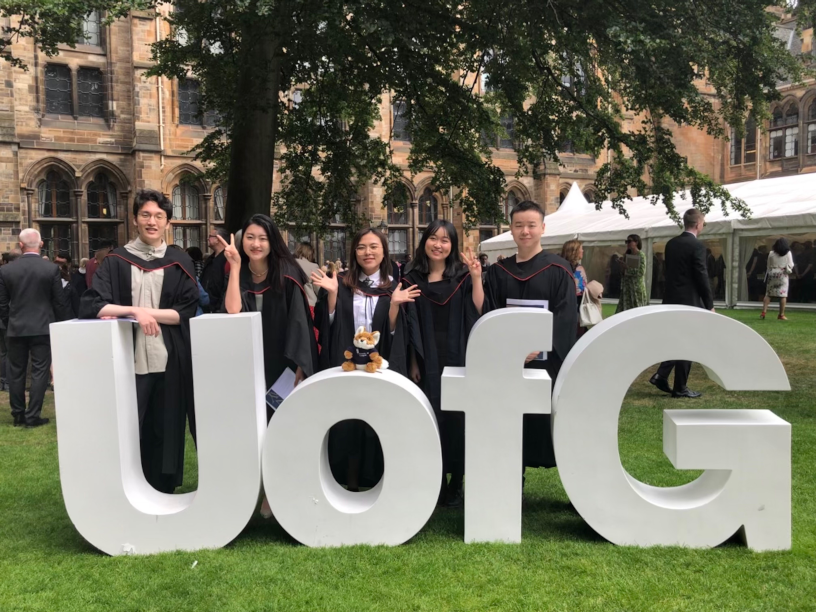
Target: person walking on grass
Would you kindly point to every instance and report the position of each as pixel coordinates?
(780, 267)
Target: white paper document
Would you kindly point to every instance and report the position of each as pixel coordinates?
(281, 389)
(545, 304)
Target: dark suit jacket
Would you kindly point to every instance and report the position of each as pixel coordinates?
(686, 273)
(31, 296)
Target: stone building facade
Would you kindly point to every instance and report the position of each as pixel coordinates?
(80, 132)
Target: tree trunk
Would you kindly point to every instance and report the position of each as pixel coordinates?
(252, 147)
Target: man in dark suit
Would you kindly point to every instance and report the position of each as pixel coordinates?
(31, 298)
(687, 284)
(7, 259)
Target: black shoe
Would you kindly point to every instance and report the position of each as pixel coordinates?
(661, 383)
(19, 420)
(36, 423)
(456, 499)
(687, 393)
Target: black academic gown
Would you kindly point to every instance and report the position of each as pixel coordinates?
(288, 330)
(452, 300)
(78, 287)
(544, 277)
(112, 285)
(356, 438)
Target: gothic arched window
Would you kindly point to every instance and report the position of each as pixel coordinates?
(396, 217)
(428, 207)
(54, 196)
(400, 130)
(510, 202)
(784, 140)
(185, 202)
(101, 194)
(562, 196)
(218, 196)
(811, 128)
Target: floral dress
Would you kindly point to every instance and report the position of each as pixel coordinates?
(778, 273)
(633, 287)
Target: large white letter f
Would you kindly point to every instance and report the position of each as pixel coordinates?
(495, 392)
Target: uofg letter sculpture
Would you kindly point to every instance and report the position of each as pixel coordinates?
(746, 453)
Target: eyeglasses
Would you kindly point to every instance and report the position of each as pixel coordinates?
(628, 241)
(362, 248)
(146, 216)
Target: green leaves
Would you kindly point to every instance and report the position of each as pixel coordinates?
(609, 77)
(54, 22)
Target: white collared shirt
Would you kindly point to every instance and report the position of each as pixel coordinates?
(364, 305)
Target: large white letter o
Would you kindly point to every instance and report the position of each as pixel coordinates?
(304, 496)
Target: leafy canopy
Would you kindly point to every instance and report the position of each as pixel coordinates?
(604, 75)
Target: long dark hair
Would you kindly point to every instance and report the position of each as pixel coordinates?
(636, 239)
(352, 276)
(280, 260)
(781, 247)
(453, 262)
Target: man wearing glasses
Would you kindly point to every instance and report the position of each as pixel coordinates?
(155, 286)
(687, 284)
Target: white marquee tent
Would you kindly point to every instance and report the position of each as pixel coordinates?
(784, 206)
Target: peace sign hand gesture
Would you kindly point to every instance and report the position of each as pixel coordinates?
(403, 295)
(324, 281)
(473, 264)
(230, 252)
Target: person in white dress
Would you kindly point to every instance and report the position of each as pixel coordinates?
(777, 277)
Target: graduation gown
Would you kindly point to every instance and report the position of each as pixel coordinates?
(336, 337)
(288, 331)
(439, 324)
(544, 277)
(112, 285)
(351, 438)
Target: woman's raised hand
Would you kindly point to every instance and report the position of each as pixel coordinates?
(230, 252)
(324, 281)
(473, 264)
(403, 295)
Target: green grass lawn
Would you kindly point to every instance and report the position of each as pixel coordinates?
(560, 565)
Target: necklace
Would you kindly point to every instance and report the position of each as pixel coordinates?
(258, 274)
